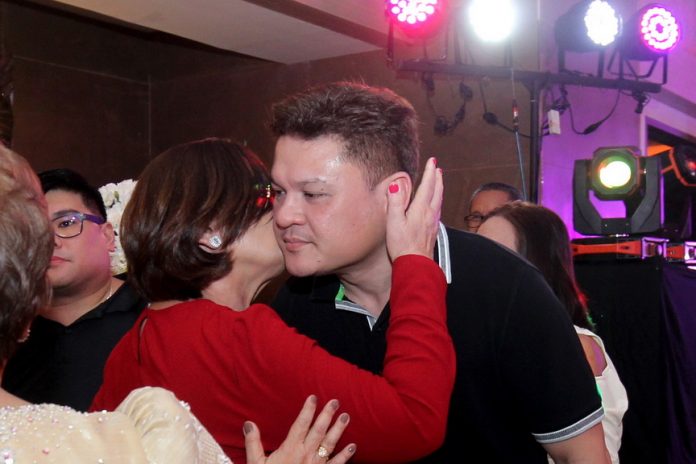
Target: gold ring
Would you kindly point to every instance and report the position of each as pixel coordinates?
(322, 452)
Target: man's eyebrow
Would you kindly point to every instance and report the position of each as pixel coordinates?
(63, 212)
(313, 180)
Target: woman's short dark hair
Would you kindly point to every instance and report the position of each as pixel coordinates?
(378, 127)
(26, 246)
(181, 193)
(542, 238)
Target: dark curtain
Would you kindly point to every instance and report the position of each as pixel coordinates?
(679, 315)
(645, 311)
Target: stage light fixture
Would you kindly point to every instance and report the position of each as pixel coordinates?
(492, 20)
(614, 174)
(417, 18)
(649, 35)
(590, 25)
(653, 30)
(683, 161)
(587, 26)
(679, 191)
(617, 173)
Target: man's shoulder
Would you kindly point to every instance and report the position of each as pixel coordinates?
(475, 256)
(492, 280)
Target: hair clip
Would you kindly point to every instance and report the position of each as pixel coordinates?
(266, 196)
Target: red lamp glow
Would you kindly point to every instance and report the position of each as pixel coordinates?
(417, 18)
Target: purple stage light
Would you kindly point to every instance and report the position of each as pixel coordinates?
(659, 29)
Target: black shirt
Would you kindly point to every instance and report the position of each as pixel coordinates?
(522, 378)
(63, 365)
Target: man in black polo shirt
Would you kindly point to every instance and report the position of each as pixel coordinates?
(63, 359)
(523, 386)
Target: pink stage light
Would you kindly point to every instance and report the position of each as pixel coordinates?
(417, 18)
(659, 29)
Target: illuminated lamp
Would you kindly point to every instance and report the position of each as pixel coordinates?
(651, 32)
(617, 173)
(492, 20)
(614, 174)
(589, 26)
(417, 18)
(649, 36)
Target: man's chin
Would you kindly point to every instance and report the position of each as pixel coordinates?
(58, 278)
(302, 269)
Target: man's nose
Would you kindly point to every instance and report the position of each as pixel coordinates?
(287, 212)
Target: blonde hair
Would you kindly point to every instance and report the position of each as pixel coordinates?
(26, 246)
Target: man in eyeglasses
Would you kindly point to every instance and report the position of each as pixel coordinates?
(62, 361)
(485, 199)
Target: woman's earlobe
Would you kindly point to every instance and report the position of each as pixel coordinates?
(215, 242)
(211, 242)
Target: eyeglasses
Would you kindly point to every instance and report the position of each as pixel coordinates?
(266, 196)
(474, 220)
(70, 225)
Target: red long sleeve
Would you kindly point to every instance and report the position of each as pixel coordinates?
(234, 366)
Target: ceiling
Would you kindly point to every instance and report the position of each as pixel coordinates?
(284, 31)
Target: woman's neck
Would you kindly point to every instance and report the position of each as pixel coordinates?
(237, 289)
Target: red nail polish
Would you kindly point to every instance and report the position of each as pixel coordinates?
(393, 188)
(435, 161)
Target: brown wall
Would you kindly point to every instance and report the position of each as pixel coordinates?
(235, 104)
(103, 100)
(81, 95)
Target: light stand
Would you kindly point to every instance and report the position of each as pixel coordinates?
(535, 82)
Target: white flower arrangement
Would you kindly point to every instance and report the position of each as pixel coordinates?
(115, 198)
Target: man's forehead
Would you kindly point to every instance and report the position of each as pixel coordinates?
(64, 200)
(487, 200)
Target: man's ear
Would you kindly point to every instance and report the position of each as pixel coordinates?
(400, 180)
(108, 232)
(211, 241)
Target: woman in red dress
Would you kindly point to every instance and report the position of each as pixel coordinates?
(198, 238)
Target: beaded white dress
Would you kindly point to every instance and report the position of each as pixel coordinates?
(150, 426)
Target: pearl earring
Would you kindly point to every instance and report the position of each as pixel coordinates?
(215, 241)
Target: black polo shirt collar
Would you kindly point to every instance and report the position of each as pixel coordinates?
(327, 288)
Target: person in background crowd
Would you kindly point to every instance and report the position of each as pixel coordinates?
(198, 239)
(63, 360)
(539, 235)
(151, 425)
(336, 145)
(485, 199)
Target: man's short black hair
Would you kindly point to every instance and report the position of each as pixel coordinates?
(71, 181)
